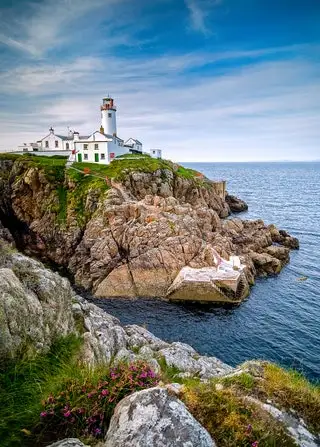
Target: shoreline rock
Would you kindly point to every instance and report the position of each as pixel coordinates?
(236, 205)
(132, 238)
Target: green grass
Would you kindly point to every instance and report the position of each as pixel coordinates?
(231, 420)
(291, 390)
(36, 390)
(26, 381)
(133, 156)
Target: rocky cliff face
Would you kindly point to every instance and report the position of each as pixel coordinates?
(37, 306)
(132, 235)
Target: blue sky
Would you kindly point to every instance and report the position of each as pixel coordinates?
(204, 80)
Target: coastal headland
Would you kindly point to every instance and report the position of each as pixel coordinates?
(139, 227)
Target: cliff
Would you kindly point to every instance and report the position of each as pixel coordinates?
(129, 228)
(69, 370)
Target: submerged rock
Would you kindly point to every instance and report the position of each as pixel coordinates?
(154, 418)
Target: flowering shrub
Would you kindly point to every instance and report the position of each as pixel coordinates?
(84, 409)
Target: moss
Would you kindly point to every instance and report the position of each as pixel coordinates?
(77, 196)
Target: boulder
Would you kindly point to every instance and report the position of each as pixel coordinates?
(155, 418)
(30, 293)
(69, 442)
(266, 264)
(236, 205)
(185, 359)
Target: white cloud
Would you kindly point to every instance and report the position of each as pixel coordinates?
(265, 110)
(197, 16)
(199, 11)
(48, 24)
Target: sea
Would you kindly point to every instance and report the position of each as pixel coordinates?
(280, 321)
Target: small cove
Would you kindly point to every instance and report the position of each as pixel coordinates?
(280, 320)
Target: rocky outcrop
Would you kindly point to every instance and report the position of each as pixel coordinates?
(236, 205)
(154, 418)
(35, 305)
(133, 237)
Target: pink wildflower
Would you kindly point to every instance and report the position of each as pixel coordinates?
(97, 431)
(67, 414)
(104, 392)
(255, 444)
(43, 414)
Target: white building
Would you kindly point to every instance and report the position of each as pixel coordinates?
(102, 146)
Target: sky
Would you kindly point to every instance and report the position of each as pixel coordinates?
(203, 80)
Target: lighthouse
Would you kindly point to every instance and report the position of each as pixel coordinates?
(108, 116)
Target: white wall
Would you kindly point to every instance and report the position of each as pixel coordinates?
(96, 149)
(108, 121)
(156, 153)
(51, 143)
(137, 147)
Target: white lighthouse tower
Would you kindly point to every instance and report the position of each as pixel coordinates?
(108, 116)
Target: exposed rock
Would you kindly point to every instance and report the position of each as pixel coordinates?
(134, 239)
(266, 264)
(69, 442)
(103, 335)
(35, 305)
(187, 360)
(297, 429)
(154, 418)
(284, 238)
(236, 205)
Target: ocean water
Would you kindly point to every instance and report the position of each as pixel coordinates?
(280, 321)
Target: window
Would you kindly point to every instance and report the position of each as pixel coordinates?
(47, 143)
(67, 146)
(85, 156)
(102, 156)
(25, 149)
(85, 146)
(153, 152)
(109, 115)
(56, 143)
(96, 146)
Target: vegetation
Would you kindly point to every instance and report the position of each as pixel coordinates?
(231, 420)
(53, 396)
(223, 407)
(290, 390)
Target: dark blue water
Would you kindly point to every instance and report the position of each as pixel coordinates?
(281, 319)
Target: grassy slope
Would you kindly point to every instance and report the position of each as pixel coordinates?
(92, 178)
(221, 406)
